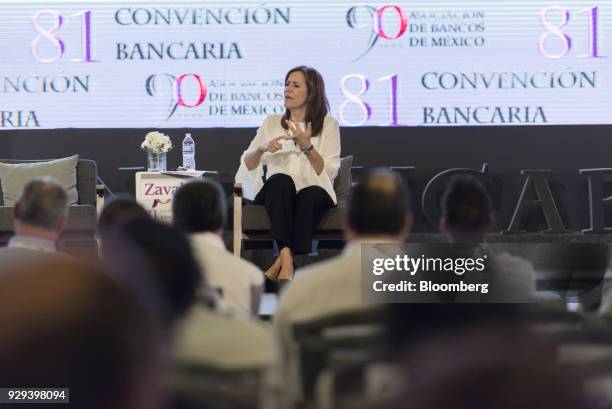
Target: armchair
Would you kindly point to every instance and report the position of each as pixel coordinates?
(251, 221)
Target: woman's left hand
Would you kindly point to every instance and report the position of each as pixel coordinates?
(302, 138)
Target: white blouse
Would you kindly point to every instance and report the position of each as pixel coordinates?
(291, 161)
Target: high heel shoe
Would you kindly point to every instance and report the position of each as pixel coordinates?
(286, 273)
(274, 270)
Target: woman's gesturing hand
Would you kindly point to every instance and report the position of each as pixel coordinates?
(272, 145)
(302, 138)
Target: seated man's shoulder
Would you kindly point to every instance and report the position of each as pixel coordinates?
(222, 340)
(250, 269)
(246, 263)
(312, 275)
(11, 256)
(225, 257)
(236, 265)
(318, 283)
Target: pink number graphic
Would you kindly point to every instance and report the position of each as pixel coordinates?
(60, 46)
(353, 98)
(392, 98)
(86, 39)
(593, 32)
(403, 22)
(179, 94)
(554, 31)
(49, 35)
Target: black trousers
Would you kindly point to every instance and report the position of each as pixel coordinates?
(293, 216)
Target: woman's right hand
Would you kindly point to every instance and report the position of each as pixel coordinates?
(252, 158)
(272, 145)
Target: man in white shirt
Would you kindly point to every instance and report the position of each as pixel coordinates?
(199, 209)
(39, 217)
(378, 211)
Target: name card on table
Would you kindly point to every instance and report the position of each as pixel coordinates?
(155, 190)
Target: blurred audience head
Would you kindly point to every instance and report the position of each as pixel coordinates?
(118, 211)
(199, 206)
(489, 367)
(466, 210)
(68, 325)
(147, 251)
(42, 209)
(379, 206)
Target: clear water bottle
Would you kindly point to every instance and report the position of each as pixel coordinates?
(188, 153)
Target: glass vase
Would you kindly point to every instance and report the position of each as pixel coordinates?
(156, 162)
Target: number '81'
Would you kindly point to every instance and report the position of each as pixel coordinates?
(49, 34)
(555, 26)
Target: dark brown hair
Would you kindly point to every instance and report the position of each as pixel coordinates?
(466, 207)
(317, 105)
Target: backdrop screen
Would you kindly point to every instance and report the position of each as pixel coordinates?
(140, 64)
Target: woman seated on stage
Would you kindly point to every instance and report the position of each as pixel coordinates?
(301, 150)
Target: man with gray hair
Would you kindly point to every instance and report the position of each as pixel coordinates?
(39, 217)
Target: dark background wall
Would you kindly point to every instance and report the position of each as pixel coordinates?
(507, 150)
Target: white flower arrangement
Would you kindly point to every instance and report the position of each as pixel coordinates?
(156, 142)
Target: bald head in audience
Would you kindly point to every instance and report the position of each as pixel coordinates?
(42, 209)
(379, 206)
(68, 325)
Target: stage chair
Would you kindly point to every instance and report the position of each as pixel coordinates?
(79, 235)
(251, 221)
